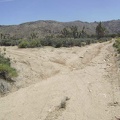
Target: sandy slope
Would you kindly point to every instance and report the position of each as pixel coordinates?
(87, 75)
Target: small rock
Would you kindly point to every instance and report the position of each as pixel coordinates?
(63, 102)
(4, 87)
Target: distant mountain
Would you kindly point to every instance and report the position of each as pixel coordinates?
(49, 27)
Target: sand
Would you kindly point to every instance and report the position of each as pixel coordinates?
(88, 76)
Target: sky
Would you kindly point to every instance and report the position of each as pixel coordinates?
(19, 11)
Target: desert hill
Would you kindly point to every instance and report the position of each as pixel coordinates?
(49, 27)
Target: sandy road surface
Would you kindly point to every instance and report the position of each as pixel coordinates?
(87, 75)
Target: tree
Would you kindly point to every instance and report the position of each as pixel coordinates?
(64, 32)
(34, 35)
(2, 36)
(74, 31)
(100, 30)
(83, 33)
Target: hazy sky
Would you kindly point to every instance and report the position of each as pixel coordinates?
(19, 11)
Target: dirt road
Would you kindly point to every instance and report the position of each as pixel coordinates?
(86, 75)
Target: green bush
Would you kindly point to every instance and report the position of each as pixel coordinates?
(34, 43)
(4, 60)
(9, 42)
(117, 44)
(29, 44)
(59, 42)
(23, 44)
(104, 39)
(7, 71)
(67, 42)
(118, 49)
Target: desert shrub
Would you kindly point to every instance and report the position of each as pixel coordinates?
(118, 48)
(90, 40)
(77, 42)
(9, 42)
(4, 49)
(67, 42)
(46, 42)
(4, 60)
(29, 44)
(34, 43)
(59, 42)
(83, 43)
(104, 39)
(52, 42)
(23, 44)
(6, 71)
(117, 44)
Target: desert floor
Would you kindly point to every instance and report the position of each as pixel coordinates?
(88, 76)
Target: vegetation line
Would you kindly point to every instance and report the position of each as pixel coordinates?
(69, 36)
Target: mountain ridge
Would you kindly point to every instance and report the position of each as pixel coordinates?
(52, 27)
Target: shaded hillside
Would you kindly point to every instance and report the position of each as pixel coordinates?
(112, 26)
(43, 28)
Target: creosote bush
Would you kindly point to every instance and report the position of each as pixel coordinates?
(117, 44)
(29, 44)
(6, 71)
(4, 60)
(23, 44)
(59, 42)
(9, 42)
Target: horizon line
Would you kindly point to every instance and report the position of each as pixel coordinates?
(57, 21)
